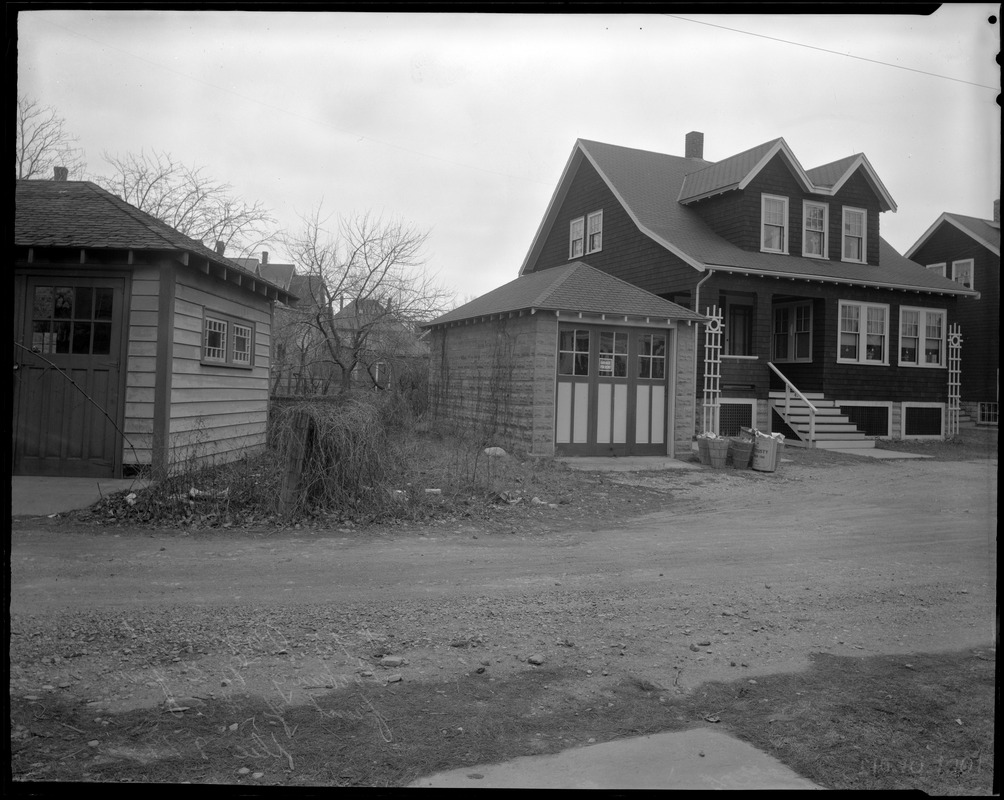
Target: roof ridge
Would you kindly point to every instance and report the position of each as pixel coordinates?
(137, 214)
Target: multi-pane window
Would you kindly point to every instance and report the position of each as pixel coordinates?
(774, 224)
(864, 333)
(612, 355)
(793, 332)
(652, 356)
(921, 337)
(854, 236)
(939, 268)
(962, 272)
(575, 237)
(72, 320)
(814, 223)
(227, 341)
(573, 352)
(594, 231)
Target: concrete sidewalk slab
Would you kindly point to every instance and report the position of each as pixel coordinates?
(696, 759)
(626, 463)
(33, 496)
(874, 452)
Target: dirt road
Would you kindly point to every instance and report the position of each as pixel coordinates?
(736, 574)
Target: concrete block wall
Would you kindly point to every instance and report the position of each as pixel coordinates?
(686, 399)
(495, 378)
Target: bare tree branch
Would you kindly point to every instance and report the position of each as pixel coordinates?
(190, 201)
(42, 142)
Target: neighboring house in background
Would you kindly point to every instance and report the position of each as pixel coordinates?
(968, 250)
(135, 346)
(374, 345)
(568, 361)
(812, 297)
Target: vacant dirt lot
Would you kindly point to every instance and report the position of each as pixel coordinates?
(690, 575)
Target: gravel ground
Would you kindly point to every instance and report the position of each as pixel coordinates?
(674, 578)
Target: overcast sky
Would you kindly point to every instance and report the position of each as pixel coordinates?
(461, 124)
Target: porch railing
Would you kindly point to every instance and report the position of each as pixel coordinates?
(789, 387)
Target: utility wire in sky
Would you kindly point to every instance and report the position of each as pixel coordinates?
(832, 52)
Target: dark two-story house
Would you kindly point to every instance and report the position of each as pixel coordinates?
(827, 333)
(968, 250)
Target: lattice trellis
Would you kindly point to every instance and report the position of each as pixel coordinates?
(712, 370)
(954, 379)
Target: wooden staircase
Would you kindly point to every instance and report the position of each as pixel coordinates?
(833, 430)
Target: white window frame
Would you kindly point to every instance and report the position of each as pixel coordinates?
(922, 337)
(791, 357)
(844, 235)
(573, 239)
(806, 205)
(763, 224)
(902, 421)
(939, 268)
(862, 332)
(226, 326)
(594, 232)
(971, 263)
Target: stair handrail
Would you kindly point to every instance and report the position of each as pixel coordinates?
(789, 387)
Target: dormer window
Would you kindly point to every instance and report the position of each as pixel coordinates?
(854, 237)
(815, 223)
(576, 237)
(774, 224)
(594, 228)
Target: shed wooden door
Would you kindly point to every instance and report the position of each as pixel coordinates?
(611, 394)
(67, 394)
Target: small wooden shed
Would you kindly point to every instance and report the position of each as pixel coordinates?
(135, 347)
(569, 361)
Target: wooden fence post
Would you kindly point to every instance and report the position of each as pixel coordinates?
(296, 456)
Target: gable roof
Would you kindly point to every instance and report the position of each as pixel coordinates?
(648, 186)
(986, 232)
(80, 214)
(279, 274)
(573, 288)
(387, 334)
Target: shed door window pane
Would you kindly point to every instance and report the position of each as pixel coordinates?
(63, 320)
(242, 344)
(215, 344)
(612, 355)
(652, 356)
(573, 352)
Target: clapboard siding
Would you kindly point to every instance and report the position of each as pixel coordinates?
(141, 365)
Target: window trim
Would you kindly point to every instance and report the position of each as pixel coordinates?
(907, 404)
(572, 239)
(826, 229)
(229, 323)
(972, 272)
(921, 329)
(589, 236)
(941, 267)
(791, 357)
(763, 223)
(864, 235)
(863, 334)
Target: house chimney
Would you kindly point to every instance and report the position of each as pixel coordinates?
(997, 210)
(695, 145)
(220, 246)
(264, 257)
(60, 173)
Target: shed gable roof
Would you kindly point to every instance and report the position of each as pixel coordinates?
(649, 185)
(80, 214)
(573, 288)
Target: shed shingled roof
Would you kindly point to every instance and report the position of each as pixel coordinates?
(572, 287)
(80, 214)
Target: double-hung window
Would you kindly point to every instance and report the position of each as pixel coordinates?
(864, 333)
(576, 234)
(792, 334)
(855, 231)
(815, 219)
(921, 337)
(962, 272)
(227, 341)
(773, 223)
(594, 232)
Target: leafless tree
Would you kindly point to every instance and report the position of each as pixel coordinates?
(369, 290)
(43, 142)
(190, 201)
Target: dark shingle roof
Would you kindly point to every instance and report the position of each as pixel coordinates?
(82, 214)
(573, 287)
(648, 185)
(985, 231)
